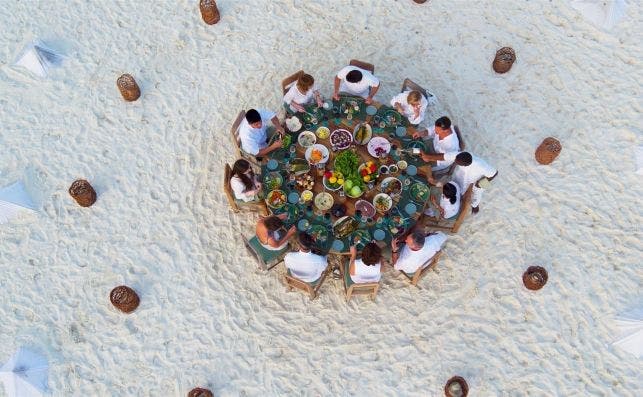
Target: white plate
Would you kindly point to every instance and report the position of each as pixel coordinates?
(378, 142)
(322, 148)
(388, 199)
(324, 201)
(293, 124)
(306, 136)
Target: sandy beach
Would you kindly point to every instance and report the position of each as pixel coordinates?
(162, 225)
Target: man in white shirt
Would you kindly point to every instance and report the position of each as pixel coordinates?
(412, 104)
(303, 264)
(444, 140)
(253, 132)
(417, 250)
(470, 170)
(356, 81)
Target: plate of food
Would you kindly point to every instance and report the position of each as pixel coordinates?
(378, 147)
(317, 154)
(414, 144)
(352, 188)
(391, 185)
(360, 238)
(368, 171)
(419, 192)
(333, 180)
(392, 117)
(306, 195)
(305, 181)
(319, 233)
(299, 166)
(362, 133)
(382, 202)
(322, 132)
(293, 124)
(324, 201)
(306, 139)
(341, 138)
(292, 211)
(273, 181)
(344, 226)
(276, 199)
(365, 208)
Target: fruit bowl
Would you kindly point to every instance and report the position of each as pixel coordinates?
(333, 180)
(352, 189)
(368, 171)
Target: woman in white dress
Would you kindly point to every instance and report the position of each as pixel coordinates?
(243, 181)
(302, 93)
(449, 204)
(368, 268)
(412, 104)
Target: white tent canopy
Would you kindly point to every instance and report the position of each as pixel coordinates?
(38, 58)
(25, 374)
(629, 329)
(605, 14)
(13, 200)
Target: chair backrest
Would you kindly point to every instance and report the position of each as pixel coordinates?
(363, 65)
(459, 135)
(227, 174)
(430, 264)
(234, 132)
(289, 81)
(465, 205)
(411, 85)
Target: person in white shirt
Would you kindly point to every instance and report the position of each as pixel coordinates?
(303, 92)
(471, 170)
(411, 104)
(303, 264)
(253, 132)
(271, 234)
(417, 250)
(444, 140)
(356, 81)
(449, 204)
(367, 269)
(243, 181)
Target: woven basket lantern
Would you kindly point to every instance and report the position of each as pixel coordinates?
(82, 192)
(456, 387)
(128, 87)
(124, 299)
(200, 392)
(535, 277)
(548, 150)
(505, 57)
(420, 1)
(209, 11)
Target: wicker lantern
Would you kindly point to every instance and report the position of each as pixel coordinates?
(200, 392)
(128, 87)
(83, 193)
(548, 150)
(124, 299)
(535, 277)
(505, 57)
(456, 387)
(420, 1)
(209, 11)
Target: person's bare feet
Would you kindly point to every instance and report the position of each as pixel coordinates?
(474, 210)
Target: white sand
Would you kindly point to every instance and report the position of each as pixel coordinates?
(162, 224)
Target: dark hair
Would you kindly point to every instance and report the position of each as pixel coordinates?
(306, 241)
(418, 237)
(443, 122)
(239, 169)
(252, 116)
(354, 76)
(463, 158)
(371, 254)
(273, 223)
(449, 190)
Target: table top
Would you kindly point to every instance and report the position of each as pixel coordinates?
(408, 205)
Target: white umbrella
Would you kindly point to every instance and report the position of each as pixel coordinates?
(629, 328)
(605, 13)
(25, 374)
(13, 200)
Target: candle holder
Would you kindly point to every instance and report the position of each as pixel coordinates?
(505, 58)
(535, 277)
(209, 11)
(548, 150)
(456, 387)
(82, 192)
(124, 299)
(200, 392)
(128, 87)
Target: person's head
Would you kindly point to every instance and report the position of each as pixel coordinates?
(273, 223)
(415, 240)
(241, 169)
(371, 254)
(443, 126)
(464, 159)
(306, 241)
(449, 190)
(253, 118)
(305, 82)
(414, 98)
(354, 76)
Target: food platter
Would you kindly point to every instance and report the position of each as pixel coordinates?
(362, 133)
(293, 124)
(391, 118)
(365, 208)
(319, 233)
(336, 177)
(324, 201)
(341, 138)
(292, 211)
(382, 202)
(306, 139)
(344, 226)
(360, 238)
(317, 154)
(276, 199)
(273, 181)
(419, 192)
(391, 185)
(322, 132)
(299, 166)
(378, 147)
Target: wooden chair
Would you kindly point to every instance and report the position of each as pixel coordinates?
(460, 138)
(451, 225)
(409, 84)
(236, 141)
(289, 81)
(312, 289)
(351, 288)
(362, 65)
(234, 203)
(267, 259)
(429, 265)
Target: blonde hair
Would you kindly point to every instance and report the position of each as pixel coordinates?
(414, 97)
(304, 82)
